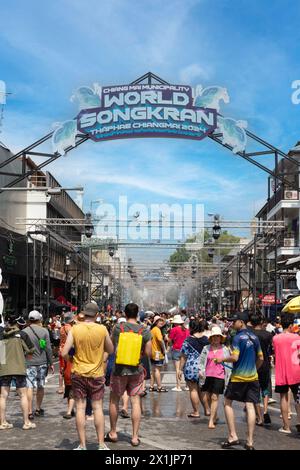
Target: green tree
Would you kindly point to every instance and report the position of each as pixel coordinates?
(182, 254)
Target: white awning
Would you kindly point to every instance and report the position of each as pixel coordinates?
(294, 260)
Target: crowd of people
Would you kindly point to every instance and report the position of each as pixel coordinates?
(212, 357)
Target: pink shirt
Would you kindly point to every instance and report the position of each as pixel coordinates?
(178, 335)
(213, 369)
(287, 362)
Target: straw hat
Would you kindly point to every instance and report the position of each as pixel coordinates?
(177, 320)
(216, 331)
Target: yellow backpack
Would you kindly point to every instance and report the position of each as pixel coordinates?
(129, 347)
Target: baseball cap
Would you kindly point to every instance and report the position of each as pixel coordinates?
(243, 316)
(91, 309)
(121, 320)
(21, 321)
(35, 315)
(68, 317)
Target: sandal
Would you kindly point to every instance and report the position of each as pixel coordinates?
(31, 416)
(39, 412)
(227, 444)
(107, 438)
(135, 444)
(152, 389)
(161, 389)
(247, 447)
(193, 416)
(29, 426)
(6, 426)
(124, 414)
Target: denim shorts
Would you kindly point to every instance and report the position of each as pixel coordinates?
(176, 355)
(36, 376)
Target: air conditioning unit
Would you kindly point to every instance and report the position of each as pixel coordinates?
(291, 195)
(288, 242)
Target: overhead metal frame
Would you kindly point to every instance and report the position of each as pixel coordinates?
(149, 78)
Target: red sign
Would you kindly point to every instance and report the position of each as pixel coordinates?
(269, 299)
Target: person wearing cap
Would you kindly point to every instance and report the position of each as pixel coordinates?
(246, 358)
(13, 368)
(157, 354)
(40, 362)
(212, 372)
(89, 340)
(176, 337)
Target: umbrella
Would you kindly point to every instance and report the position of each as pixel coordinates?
(293, 306)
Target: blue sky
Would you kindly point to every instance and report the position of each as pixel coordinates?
(48, 49)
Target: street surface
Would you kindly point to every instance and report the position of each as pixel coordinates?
(164, 425)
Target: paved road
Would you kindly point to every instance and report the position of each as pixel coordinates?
(164, 425)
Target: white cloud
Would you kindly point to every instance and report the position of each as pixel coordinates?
(195, 72)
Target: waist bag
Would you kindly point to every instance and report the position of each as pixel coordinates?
(129, 347)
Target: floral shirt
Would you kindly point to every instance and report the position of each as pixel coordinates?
(192, 348)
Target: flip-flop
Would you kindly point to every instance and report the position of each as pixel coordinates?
(192, 416)
(107, 438)
(228, 444)
(135, 444)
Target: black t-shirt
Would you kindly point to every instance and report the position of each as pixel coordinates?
(265, 339)
(197, 343)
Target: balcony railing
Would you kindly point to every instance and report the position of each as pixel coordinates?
(282, 194)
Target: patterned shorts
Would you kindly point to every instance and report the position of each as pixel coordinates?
(36, 376)
(9, 380)
(298, 396)
(87, 387)
(132, 384)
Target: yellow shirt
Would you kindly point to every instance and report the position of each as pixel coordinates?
(156, 338)
(89, 339)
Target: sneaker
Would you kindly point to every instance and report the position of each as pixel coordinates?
(267, 419)
(103, 447)
(175, 389)
(285, 431)
(79, 448)
(271, 400)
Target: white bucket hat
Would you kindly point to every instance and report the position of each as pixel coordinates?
(178, 320)
(216, 331)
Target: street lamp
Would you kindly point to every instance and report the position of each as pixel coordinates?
(216, 232)
(89, 227)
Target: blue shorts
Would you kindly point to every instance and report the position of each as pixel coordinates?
(176, 355)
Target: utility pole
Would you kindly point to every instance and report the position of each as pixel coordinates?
(220, 284)
(90, 275)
